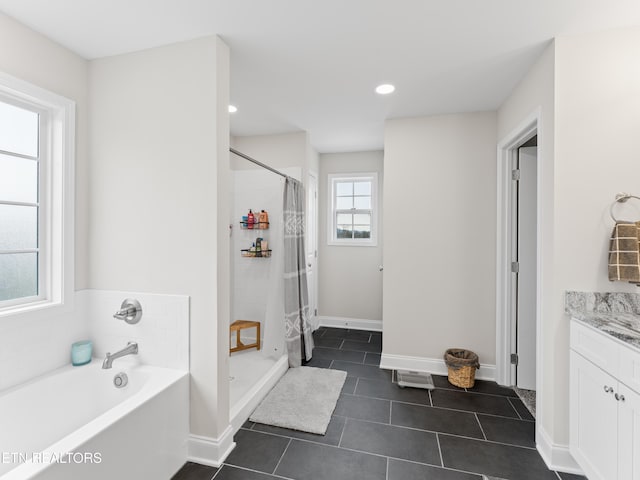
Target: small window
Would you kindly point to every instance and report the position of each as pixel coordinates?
(353, 209)
(36, 197)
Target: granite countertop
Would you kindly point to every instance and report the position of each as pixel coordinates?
(616, 314)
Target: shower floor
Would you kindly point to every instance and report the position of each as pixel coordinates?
(245, 369)
(251, 376)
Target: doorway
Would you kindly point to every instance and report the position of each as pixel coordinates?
(524, 258)
(518, 324)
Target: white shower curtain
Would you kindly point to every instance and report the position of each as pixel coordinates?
(298, 332)
(274, 331)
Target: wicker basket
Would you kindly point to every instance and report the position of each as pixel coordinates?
(462, 365)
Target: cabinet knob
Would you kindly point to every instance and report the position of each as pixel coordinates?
(608, 389)
(619, 397)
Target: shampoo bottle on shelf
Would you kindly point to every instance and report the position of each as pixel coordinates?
(250, 219)
(258, 247)
(263, 219)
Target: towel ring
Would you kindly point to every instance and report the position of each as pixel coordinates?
(620, 198)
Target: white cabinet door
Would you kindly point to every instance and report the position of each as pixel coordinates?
(594, 420)
(629, 434)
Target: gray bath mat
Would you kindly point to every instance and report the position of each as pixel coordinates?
(303, 399)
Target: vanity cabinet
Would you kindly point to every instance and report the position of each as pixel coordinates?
(604, 405)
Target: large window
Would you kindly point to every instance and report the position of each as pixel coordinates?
(353, 209)
(20, 209)
(36, 196)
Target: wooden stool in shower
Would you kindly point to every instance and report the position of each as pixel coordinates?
(240, 325)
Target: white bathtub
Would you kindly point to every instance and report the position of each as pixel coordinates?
(75, 415)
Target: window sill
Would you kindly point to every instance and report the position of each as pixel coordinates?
(33, 307)
(335, 243)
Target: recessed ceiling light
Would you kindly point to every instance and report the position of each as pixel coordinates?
(385, 89)
(233, 109)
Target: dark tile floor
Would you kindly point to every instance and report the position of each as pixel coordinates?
(380, 431)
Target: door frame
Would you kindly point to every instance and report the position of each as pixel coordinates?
(505, 281)
(313, 176)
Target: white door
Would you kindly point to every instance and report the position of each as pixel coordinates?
(594, 419)
(527, 269)
(629, 433)
(312, 247)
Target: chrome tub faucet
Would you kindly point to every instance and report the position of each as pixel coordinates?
(130, 349)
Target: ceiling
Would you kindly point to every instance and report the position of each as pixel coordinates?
(313, 64)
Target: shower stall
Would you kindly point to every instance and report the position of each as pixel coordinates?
(257, 292)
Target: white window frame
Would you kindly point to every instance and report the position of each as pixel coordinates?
(332, 239)
(56, 195)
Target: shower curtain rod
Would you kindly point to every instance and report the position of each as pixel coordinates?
(247, 157)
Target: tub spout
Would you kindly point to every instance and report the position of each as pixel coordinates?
(130, 349)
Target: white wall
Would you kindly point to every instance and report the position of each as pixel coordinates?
(597, 154)
(217, 386)
(350, 283)
(40, 341)
(597, 124)
(313, 159)
(159, 140)
(277, 151)
(439, 235)
(588, 89)
(537, 91)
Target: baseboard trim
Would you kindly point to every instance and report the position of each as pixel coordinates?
(239, 413)
(430, 365)
(557, 457)
(211, 451)
(352, 323)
